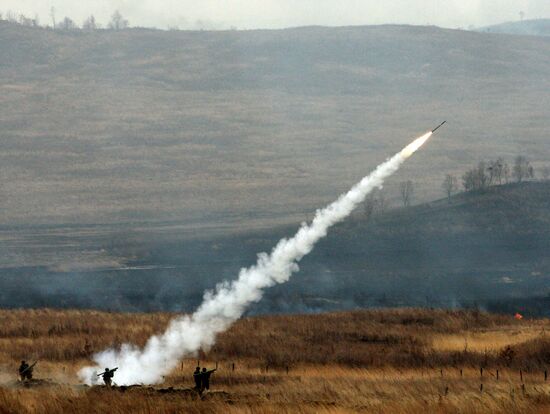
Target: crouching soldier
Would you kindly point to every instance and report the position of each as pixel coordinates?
(23, 368)
(25, 371)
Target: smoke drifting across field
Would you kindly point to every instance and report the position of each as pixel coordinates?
(187, 334)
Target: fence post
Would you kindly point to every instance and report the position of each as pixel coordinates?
(545, 374)
(481, 372)
(497, 374)
(233, 367)
(481, 387)
(521, 375)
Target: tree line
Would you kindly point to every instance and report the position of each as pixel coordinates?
(117, 22)
(485, 174)
(491, 173)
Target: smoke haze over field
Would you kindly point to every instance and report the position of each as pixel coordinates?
(143, 167)
(187, 335)
(249, 14)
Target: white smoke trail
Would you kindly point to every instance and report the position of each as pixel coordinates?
(185, 335)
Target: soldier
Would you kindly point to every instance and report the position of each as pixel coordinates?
(108, 376)
(23, 368)
(205, 378)
(197, 378)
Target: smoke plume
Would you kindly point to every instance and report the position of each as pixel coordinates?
(185, 335)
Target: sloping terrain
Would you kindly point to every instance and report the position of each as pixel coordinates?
(253, 127)
(538, 27)
(487, 249)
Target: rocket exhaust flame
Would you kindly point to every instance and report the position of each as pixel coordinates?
(415, 145)
(186, 335)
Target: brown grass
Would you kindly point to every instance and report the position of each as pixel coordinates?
(390, 361)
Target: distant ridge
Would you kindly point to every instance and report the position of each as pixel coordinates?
(217, 127)
(537, 27)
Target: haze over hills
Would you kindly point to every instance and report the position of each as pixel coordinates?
(485, 249)
(538, 27)
(140, 167)
(251, 128)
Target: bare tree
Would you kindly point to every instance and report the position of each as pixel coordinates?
(449, 185)
(496, 171)
(27, 21)
(546, 173)
(67, 24)
(468, 180)
(375, 203)
(369, 206)
(506, 173)
(117, 21)
(10, 17)
(522, 169)
(491, 174)
(90, 23)
(476, 178)
(52, 15)
(406, 189)
(24, 20)
(381, 203)
(482, 177)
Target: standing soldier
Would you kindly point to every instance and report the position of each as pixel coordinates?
(197, 378)
(205, 378)
(108, 375)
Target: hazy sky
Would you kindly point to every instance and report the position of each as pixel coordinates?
(248, 14)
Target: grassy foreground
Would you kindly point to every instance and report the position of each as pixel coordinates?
(384, 361)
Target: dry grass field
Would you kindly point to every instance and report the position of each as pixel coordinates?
(383, 361)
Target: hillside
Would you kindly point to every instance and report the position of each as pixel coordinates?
(486, 249)
(251, 128)
(539, 27)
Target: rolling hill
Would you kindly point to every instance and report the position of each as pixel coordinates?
(538, 27)
(251, 128)
(484, 249)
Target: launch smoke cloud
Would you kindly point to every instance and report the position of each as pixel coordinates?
(220, 308)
